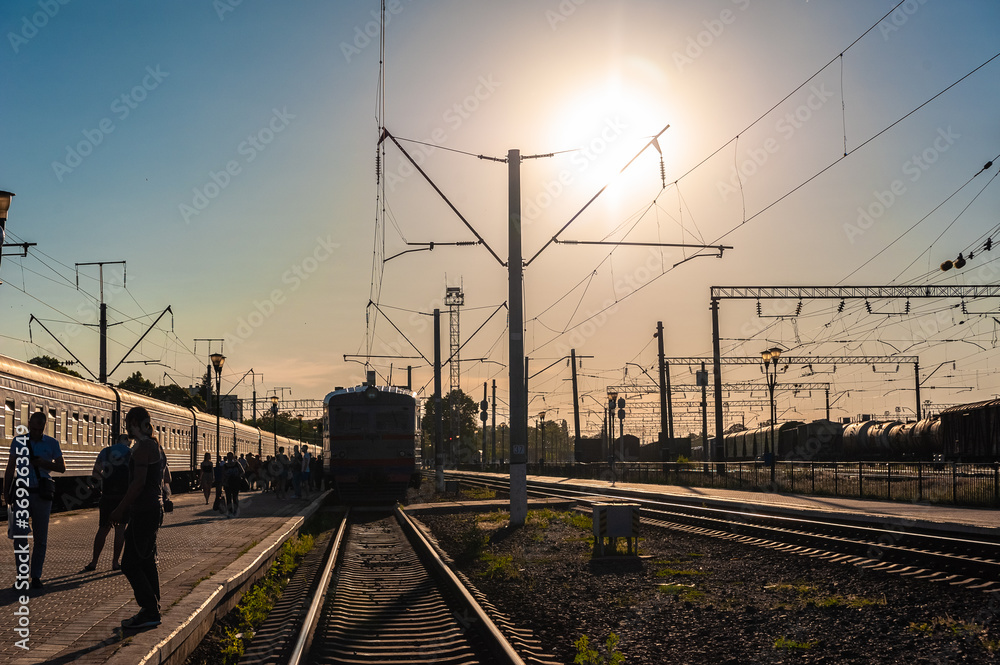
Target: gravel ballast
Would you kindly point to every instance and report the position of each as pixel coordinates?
(695, 599)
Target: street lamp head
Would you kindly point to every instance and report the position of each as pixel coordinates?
(775, 354)
(218, 360)
(766, 356)
(4, 204)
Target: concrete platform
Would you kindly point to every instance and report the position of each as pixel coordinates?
(205, 561)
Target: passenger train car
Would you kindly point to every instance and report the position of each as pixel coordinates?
(370, 440)
(85, 417)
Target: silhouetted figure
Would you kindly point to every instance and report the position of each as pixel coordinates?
(144, 511)
(111, 468)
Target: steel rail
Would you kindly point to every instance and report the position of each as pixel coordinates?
(493, 634)
(931, 549)
(319, 597)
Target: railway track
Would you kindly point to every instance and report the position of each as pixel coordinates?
(911, 550)
(384, 595)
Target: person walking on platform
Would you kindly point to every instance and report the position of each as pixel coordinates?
(281, 472)
(234, 477)
(207, 476)
(141, 508)
(305, 468)
(111, 468)
(220, 504)
(296, 474)
(43, 455)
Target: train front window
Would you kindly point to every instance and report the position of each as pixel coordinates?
(350, 420)
(393, 420)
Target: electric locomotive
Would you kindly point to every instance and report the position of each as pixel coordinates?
(370, 442)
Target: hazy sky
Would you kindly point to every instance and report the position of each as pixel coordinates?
(226, 151)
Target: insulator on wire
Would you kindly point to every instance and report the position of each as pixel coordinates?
(868, 306)
(798, 308)
(907, 306)
(840, 307)
(989, 244)
(759, 311)
(663, 172)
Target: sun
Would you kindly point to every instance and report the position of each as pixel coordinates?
(603, 129)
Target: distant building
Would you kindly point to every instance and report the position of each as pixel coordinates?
(232, 407)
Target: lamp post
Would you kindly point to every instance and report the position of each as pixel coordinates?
(274, 426)
(769, 359)
(300, 428)
(218, 360)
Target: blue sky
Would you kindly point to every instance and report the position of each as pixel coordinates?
(230, 161)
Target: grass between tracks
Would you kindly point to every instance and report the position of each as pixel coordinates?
(229, 637)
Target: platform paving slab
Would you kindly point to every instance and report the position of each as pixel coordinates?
(204, 558)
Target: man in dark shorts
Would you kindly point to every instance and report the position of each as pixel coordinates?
(111, 468)
(142, 509)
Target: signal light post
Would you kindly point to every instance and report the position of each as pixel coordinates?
(484, 415)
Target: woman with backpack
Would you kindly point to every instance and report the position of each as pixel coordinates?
(207, 476)
(233, 475)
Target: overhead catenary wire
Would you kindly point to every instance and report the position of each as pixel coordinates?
(794, 189)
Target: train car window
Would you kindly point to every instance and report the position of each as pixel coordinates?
(24, 414)
(62, 430)
(50, 426)
(8, 421)
(87, 431)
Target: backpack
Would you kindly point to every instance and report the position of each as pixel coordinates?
(115, 473)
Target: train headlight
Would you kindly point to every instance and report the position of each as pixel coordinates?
(402, 453)
(371, 392)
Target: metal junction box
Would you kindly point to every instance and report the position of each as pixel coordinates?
(614, 521)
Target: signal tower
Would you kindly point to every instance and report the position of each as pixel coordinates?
(454, 298)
